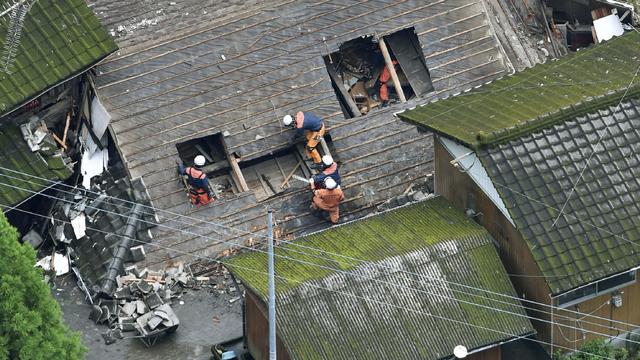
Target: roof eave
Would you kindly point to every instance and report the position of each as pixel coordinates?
(38, 94)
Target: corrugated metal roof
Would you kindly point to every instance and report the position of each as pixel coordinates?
(322, 313)
(17, 155)
(544, 166)
(535, 98)
(54, 41)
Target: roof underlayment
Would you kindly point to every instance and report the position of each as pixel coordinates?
(400, 299)
(240, 71)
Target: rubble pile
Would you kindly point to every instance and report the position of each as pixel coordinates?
(142, 303)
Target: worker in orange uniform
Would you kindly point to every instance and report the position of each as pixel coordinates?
(385, 76)
(312, 127)
(328, 199)
(330, 170)
(199, 190)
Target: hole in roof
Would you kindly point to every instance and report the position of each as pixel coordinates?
(359, 76)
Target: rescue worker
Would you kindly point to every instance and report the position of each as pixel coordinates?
(385, 76)
(312, 127)
(330, 170)
(328, 199)
(200, 191)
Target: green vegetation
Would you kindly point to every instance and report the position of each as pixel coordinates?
(31, 325)
(536, 98)
(375, 238)
(596, 350)
(58, 40)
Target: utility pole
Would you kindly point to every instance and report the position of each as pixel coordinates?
(272, 292)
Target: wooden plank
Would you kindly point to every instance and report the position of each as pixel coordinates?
(392, 70)
(66, 129)
(288, 177)
(344, 92)
(235, 168)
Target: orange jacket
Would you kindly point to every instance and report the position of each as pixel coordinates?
(329, 198)
(386, 73)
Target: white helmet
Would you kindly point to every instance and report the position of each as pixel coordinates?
(327, 160)
(199, 160)
(329, 183)
(287, 120)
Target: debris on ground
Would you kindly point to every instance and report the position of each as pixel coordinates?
(142, 302)
(57, 263)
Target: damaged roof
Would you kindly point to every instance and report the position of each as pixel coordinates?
(537, 97)
(53, 41)
(237, 70)
(427, 246)
(599, 233)
(17, 155)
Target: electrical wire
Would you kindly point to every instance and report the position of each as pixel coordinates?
(365, 262)
(302, 282)
(360, 261)
(352, 273)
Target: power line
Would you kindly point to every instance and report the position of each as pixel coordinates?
(301, 282)
(363, 276)
(360, 261)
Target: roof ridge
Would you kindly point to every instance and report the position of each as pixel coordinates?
(537, 97)
(566, 113)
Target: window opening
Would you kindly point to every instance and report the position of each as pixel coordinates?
(595, 289)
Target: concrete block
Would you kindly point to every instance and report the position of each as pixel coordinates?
(129, 308)
(126, 323)
(137, 253)
(144, 286)
(153, 300)
(141, 307)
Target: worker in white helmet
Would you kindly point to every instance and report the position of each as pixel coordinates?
(312, 127)
(328, 199)
(200, 191)
(330, 169)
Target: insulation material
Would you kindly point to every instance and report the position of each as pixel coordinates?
(100, 118)
(79, 224)
(608, 27)
(59, 263)
(93, 165)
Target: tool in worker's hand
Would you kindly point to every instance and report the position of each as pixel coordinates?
(297, 177)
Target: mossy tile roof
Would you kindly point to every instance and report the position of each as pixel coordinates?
(58, 39)
(537, 97)
(17, 156)
(599, 235)
(414, 257)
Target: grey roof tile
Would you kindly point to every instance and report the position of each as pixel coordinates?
(606, 197)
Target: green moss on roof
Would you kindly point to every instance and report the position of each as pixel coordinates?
(17, 156)
(423, 249)
(537, 97)
(372, 239)
(59, 39)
